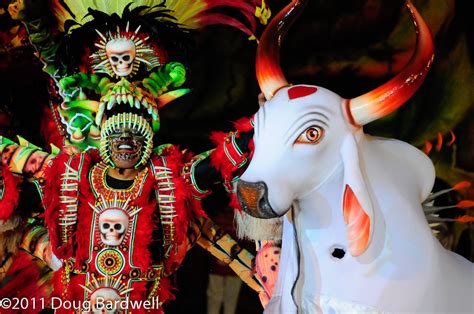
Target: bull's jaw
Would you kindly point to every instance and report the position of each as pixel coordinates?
(256, 229)
(253, 197)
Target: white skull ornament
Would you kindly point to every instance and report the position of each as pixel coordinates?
(113, 225)
(105, 300)
(121, 53)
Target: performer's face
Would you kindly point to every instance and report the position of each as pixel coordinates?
(126, 148)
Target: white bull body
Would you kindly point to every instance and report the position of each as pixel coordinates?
(402, 267)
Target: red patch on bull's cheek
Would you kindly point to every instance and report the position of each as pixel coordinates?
(301, 91)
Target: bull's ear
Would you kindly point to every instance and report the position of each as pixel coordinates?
(356, 204)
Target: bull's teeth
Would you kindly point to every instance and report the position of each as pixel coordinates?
(155, 114)
(137, 103)
(124, 146)
(120, 99)
(150, 110)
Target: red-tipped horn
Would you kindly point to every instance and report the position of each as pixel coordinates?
(391, 95)
(269, 74)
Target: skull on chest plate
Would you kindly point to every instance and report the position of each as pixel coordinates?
(113, 225)
(105, 300)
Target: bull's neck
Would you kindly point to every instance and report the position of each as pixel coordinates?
(320, 210)
(319, 218)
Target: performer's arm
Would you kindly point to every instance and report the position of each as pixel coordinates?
(36, 242)
(222, 246)
(18, 195)
(224, 163)
(20, 199)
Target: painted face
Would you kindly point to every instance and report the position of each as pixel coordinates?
(16, 9)
(126, 147)
(34, 163)
(7, 154)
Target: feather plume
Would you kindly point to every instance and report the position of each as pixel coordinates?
(193, 14)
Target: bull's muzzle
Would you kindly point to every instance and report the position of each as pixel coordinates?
(253, 197)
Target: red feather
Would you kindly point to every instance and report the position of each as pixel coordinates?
(11, 193)
(218, 157)
(28, 277)
(220, 161)
(243, 125)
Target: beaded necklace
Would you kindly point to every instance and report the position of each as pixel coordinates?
(100, 187)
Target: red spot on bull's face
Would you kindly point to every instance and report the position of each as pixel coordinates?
(301, 91)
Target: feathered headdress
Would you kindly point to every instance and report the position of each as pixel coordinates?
(118, 53)
(191, 14)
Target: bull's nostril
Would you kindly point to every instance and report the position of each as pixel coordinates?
(249, 194)
(253, 198)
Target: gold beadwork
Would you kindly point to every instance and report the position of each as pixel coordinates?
(99, 184)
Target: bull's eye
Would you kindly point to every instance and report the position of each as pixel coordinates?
(311, 135)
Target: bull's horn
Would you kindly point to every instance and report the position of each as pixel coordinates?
(269, 74)
(387, 98)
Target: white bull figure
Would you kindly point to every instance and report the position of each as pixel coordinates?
(357, 239)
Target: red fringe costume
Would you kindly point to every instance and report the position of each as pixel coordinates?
(82, 248)
(10, 194)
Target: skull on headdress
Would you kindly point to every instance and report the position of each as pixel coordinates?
(121, 55)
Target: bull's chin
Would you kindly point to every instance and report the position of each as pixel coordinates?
(262, 211)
